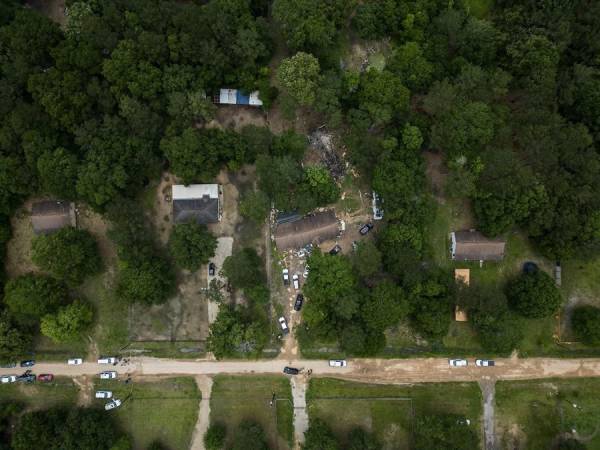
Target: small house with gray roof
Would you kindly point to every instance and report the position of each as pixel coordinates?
(48, 216)
(472, 245)
(198, 203)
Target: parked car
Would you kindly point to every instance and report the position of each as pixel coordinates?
(457, 362)
(212, 269)
(8, 365)
(107, 360)
(365, 228)
(296, 281)
(8, 379)
(298, 303)
(27, 363)
(74, 361)
(108, 375)
(112, 404)
(291, 370)
(286, 277)
(283, 324)
(335, 250)
(484, 363)
(337, 363)
(301, 253)
(27, 377)
(306, 270)
(45, 377)
(104, 394)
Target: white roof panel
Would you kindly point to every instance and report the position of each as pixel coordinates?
(228, 96)
(181, 192)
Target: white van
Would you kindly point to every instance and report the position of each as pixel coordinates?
(103, 394)
(109, 375)
(107, 360)
(112, 404)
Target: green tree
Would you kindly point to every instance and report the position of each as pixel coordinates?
(255, 205)
(383, 96)
(321, 185)
(586, 324)
(30, 297)
(359, 439)
(150, 282)
(319, 436)
(249, 435)
(299, 77)
(386, 306)
(70, 254)
(432, 301)
(447, 431)
(366, 260)
(14, 342)
(214, 438)
(191, 245)
(244, 269)
(410, 64)
(58, 172)
(68, 323)
(534, 295)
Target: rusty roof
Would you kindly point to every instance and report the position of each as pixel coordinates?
(317, 227)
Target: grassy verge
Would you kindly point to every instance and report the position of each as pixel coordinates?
(236, 398)
(168, 349)
(388, 411)
(531, 414)
(164, 411)
(61, 392)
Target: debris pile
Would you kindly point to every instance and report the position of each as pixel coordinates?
(322, 142)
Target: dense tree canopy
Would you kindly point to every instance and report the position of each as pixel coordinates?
(534, 294)
(68, 323)
(191, 245)
(586, 324)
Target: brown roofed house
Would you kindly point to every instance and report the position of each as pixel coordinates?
(318, 227)
(49, 216)
(474, 246)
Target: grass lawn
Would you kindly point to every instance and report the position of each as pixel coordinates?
(386, 410)
(61, 392)
(165, 410)
(236, 398)
(530, 414)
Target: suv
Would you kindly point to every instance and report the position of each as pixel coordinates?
(103, 394)
(484, 363)
(335, 250)
(365, 228)
(296, 281)
(457, 362)
(291, 370)
(286, 277)
(112, 404)
(283, 324)
(107, 360)
(27, 363)
(45, 377)
(298, 303)
(108, 375)
(212, 269)
(74, 361)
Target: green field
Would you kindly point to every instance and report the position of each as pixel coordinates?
(388, 411)
(236, 398)
(61, 392)
(164, 411)
(531, 414)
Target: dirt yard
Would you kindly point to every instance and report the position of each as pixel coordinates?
(18, 250)
(237, 117)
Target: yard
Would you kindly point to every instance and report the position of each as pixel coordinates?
(388, 411)
(236, 398)
(165, 410)
(532, 414)
(61, 392)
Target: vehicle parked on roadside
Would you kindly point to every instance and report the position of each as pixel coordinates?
(74, 361)
(112, 404)
(45, 377)
(337, 363)
(104, 394)
(108, 375)
(286, 277)
(8, 379)
(283, 324)
(296, 280)
(335, 250)
(365, 228)
(26, 378)
(212, 269)
(298, 303)
(306, 270)
(291, 370)
(458, 362)
(27, 363)
(485, 363)
(107, 360)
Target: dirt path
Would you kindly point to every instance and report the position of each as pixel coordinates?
(299, 387)
(205, 385)
(488, 389)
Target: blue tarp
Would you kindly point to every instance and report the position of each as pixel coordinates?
(242, 99)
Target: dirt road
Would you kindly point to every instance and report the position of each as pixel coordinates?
(365, 370)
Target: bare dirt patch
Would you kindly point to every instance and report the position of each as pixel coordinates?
(98, 227)
(18, 250)
(237, 117)
(86, 389)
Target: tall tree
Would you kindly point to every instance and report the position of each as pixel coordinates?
(192, 245)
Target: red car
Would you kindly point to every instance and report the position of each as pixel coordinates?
(45, 377)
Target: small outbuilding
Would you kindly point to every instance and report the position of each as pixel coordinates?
(49, 216)
(237, 97)
(461, 276)
(315, 228)
(474, 246)
(199, 203)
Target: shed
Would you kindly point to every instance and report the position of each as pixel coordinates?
(464, 276)
(474, 246)
(318, 227)
(49, 216)
(199, 203)
(237, 97)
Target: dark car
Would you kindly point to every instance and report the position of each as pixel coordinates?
(28, 363)
(291, 370)
(335, 250)
(212, 269)
(45, 377)
(365, 228)
(26, 378)
(299, 301)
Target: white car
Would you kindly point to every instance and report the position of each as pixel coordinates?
(8, 379)
(484, 363)
(283, 324)
(103, 394)
(107, 360)
(108, 375)
(75, 361)
(306, 270)
(457, 362)
(112, 404)
(337, 363)
(286, 277)
(296, 281)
